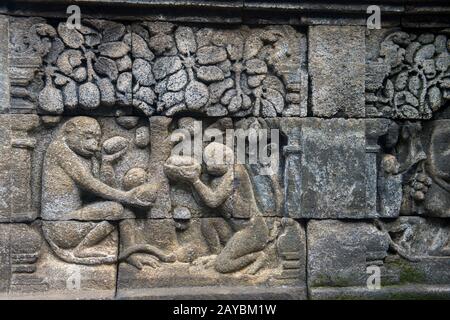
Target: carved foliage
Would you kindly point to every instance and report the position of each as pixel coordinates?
(87, 67)
(221, 72)
(162, 68)
(411, 78)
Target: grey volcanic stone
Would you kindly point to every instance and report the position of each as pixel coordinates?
(339, 252)
(337, 70)
(4, 72)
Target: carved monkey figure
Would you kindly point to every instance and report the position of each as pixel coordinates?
(243, 231)
(71, 191)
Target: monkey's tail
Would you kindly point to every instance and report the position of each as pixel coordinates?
(147, 248)
(396, 248)
(68, 257)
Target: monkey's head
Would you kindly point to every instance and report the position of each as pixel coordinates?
(218, 158)
(82, 135)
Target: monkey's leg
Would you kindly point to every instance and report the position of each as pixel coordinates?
(102, 210)
(216, 232)
(244, 248)
(96, 235)
(127, 233)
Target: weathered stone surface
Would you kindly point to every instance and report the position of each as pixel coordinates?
(406, 74)
(336, 58)
(4, 64)
(416, 246)
(31, 268)
(148, 159)
(337, 168)
(15, 168)
(196, 264)
(263, 64)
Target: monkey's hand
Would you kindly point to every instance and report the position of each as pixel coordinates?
(112, 158)
(135, 199)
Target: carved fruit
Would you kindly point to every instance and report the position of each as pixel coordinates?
(115, 144)
(70, 95)
(89, 96)
(434, 97)
(147, 192)
(196, 95)
(107, 92)
(181, 168)
(142, 137)
(50, 98)
(71, 37)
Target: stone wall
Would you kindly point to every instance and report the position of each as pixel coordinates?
(97, 202)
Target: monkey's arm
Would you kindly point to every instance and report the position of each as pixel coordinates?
(84, 179)
(214, 198)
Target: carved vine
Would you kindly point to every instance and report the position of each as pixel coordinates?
(162, 68)
(411, 78)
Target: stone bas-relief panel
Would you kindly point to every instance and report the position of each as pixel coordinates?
(30, 268)
(407, 73)
(217, 252)
(111, 194)
(423, 154)
(411, 255)
(114, 207)
(150, 68)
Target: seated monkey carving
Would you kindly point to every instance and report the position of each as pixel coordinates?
(237, 241)
(72, 192)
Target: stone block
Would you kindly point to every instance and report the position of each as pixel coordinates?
(4, 64)
(336, 65)
(180, 254)
(344, 258)
(406, 74)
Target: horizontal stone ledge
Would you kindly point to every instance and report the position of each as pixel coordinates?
(200, 293)
(296, 12)
(389, 292)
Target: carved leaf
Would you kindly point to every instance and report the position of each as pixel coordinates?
(185, 40)
(45, 30)
(210, 74)
(275, 98)
(443, 61)
(71, 37)
(211, 55)
(411, 51)
(107, 67)
(401, 81)
(424, 53)
(252, 46)
(406, 97)
(409, 112)
(388, 90)
(196, 95)
(142, 71)
(177, 81)
(235, 103)
(256, 66)
(434, 98)
(414, 85)
(89, 96)
(70, 95)
(113, 31)
(113, 49)
(107, 92)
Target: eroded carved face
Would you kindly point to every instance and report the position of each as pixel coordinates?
(440, 152)
(82, 135)
(218, 159)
